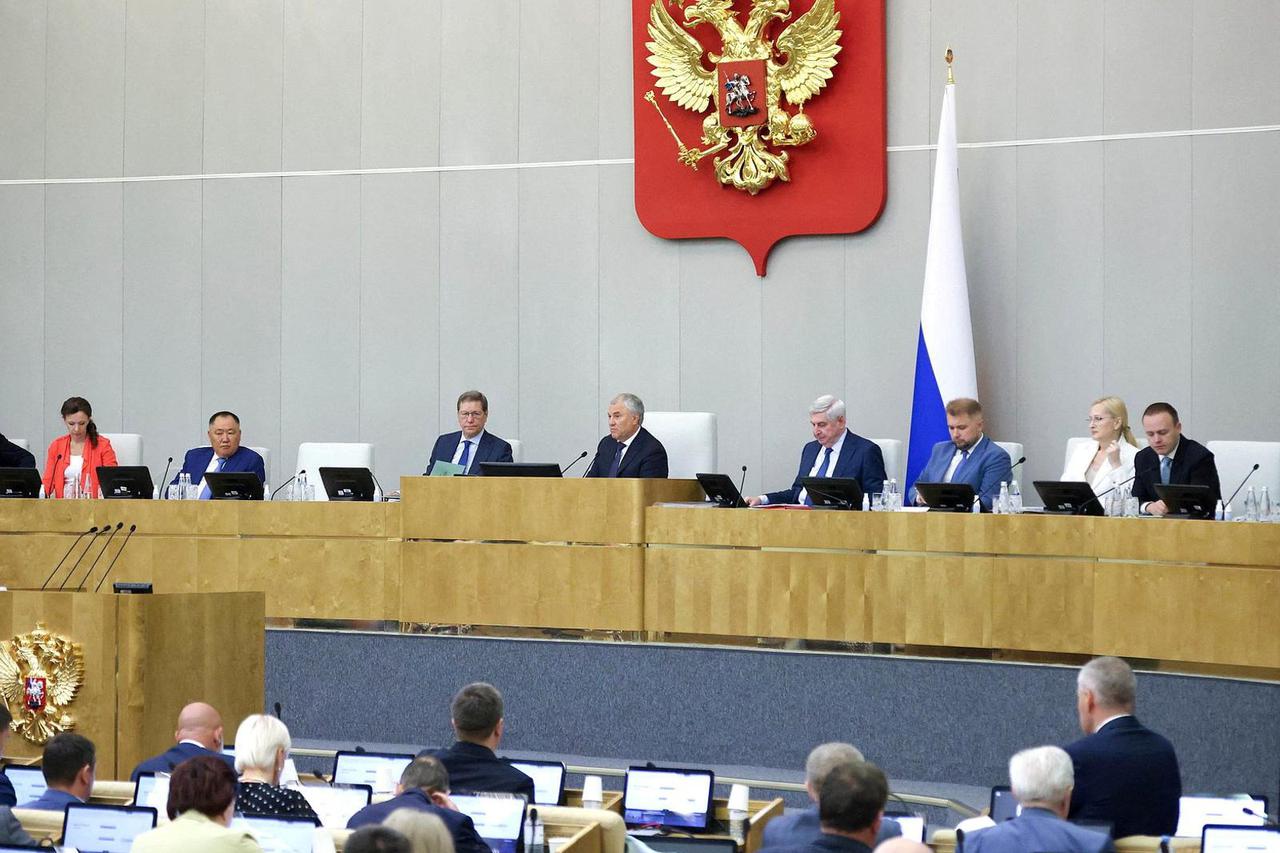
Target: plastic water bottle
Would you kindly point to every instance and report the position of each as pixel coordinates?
(893, 497)
(1002, 502)
(1015, 498)
(1251, 505)
(377, 493)
(1264, 505)
(1227, 514)
(266, 491)
(977, 504)
(866, 502)
(300, 487)
(1218, 511)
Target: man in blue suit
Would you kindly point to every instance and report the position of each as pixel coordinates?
(969, 457)
(424, 786)
(850, 809)
(69, 762)
(472, 444)
(835, 452)
(1041, 780)
(13, 456)
(629, 450)
(223, 455)
(1125, 774)
(199, 733)
(473, 765)
(803, 827)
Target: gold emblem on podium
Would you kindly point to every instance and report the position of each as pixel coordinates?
(40, 674)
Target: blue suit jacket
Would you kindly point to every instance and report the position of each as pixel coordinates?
(197, 460)
(13, 456)
(824, 843)
(52, 801)
(11, 832)
(473, 767)
(986, 468)
(491, 449)
(645, 457)
(1037, 829)
(178, 753)
(8, 796)
(859, 458)
(1128, 775)
(460, 826)
(802, 828)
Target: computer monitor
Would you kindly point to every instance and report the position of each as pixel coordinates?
(19, 483)
(499, 818)
(520, 469)
(105, 829)
(834, 492)
(280, 834)
(379, 770)
(335, 804)
(1004, 805)
(145, 786)
(28, 782)
(947, 497)
(1240, 839)
(548, 780)
(125, 482)
(1186, 501)
(1197, 811)
(684, 844)
(1067, 497)
(721, 490)
(667, 797)
(234, 486)
(913, 825)
(347, 484)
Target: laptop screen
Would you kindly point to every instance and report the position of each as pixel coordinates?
(28, 782)
(379, 770)
(1004, 805)
(151, 790)
(337, 803)
(280, 834)
(499, 819)
(656, 796)
(913, 825)
(1240, 839)
(548, 780)
(105, 829)
(677, 844)
(1195, 812)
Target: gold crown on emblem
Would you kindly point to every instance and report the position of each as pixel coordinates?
(40, 674)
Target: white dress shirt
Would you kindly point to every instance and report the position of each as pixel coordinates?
(959, 456)
(817, 464)
(475, 445)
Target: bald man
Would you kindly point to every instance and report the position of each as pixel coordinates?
(902, 845)
(199, 733)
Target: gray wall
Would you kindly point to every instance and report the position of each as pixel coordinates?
(355, 307)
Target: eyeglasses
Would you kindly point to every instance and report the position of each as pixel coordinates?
(1098, 419)
(470, 415)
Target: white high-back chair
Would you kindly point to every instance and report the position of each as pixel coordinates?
(265, 453)
(891, 449)
(517, 449)
(1235, 458)
(21, 442)
(314, 455)
(690, 441)
(1073, 444)
(127, 445)
(1014, 449)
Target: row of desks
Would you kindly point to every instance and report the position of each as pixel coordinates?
(615, 555)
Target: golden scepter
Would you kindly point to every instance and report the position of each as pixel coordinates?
(684, 150)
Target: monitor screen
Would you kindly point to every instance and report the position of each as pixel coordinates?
(548, 780)
(1240, 839)
(681, 844)
(656, 796)
(28, 782)
(913, 825)
(1195, 812)
(105, 829)
(379, 770)
(151, 790)
(280, 834)
(1004, 805)
(335, 804)
(499, 819)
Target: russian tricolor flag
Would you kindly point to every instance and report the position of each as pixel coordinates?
(944, 356)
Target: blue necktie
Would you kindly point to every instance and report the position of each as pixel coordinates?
(822, 472)
(617, 460)
(465, 459)
(1166, 468)
(205, 494)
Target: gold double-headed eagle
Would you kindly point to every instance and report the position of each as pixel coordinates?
(798, 65)
(40, 674)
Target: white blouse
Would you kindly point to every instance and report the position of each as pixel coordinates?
(75, 466)
(1107, 474)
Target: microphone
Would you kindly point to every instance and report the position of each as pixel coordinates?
(93, 529)
(288, 481)
(592, 464)
(742, 481)
(48, 487)
(577, 459)
(132, 527)
(1263, 815)
(71, 571)
(1016, 464)
(164, 484)
(115, 530)
(277, 706)
(1241, 486)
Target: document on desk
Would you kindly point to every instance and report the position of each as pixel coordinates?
(446, 469)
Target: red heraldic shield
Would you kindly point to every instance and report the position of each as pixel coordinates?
(35, 693)
(835, 183)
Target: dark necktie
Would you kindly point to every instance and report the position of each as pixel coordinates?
(617, 460)
(822, 472)
(465, 458)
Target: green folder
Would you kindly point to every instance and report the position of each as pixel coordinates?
(446, 469)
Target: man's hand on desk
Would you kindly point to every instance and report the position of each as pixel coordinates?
(754, 500)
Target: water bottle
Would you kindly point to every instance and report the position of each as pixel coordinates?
(866, 502)
(1264, 505)
(184, 485)
(1218, 511)
(300, 487)
(1002, 502)
(42, 495)
(1015, 498)
(977, 504)
(266, 491)
(1251, 505)
(893, 498)
(1227, 514)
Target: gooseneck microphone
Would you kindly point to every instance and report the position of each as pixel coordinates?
(164, 479)
(71, 571)
(94, 565)
(591, 465)
(48, 487)
(742, 481)
(132, 527)
(1241, 486)
(1016, 464)
(93, 529)
(286, 482)
(577, 459)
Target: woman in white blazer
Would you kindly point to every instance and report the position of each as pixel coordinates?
(1107, 460)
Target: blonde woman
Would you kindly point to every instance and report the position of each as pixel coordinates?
(262, 745)
(1107, 460)
(426, 832)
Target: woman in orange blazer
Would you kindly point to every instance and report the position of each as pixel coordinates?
(77, 455)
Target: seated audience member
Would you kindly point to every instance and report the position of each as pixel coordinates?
(477, 720)
(223, 455)
(850, 808)
(8, 797)
(69, 763)
(424, 786)
(13, 456)
(76, 456)
(969, 457)
(199, 733)
(1041, 780)
(802, 827)
(426, 832)
(902, 845)
(1170, 458)
(377, 839)
(1125, 774)
(1107, 460)
(472, 444)
(629, 450)
(836, 451)
(262, 747)
(202, 804)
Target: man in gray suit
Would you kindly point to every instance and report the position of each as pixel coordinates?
(1042, 779)
(802, 827)
(11, 832)
(850, 810)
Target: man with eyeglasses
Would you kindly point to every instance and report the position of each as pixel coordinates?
(472, 444)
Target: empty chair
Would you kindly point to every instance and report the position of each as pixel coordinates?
(265, 453)
(314, 455)
(22, 442)
(1235, 458)
(689, 438)
(891, 450)
(1014, 449)
(517, 450)
(128, 447)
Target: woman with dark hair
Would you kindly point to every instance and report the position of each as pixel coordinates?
(73, 459)
(202, 802)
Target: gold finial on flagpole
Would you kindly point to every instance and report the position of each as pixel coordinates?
(948, 56)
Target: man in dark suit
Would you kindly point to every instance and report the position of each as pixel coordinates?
(629, 450)
(472, 444)
(199, 733)
(1170, 458)
(969, 457)
(835, 451)
(803, 827)
(224, 454)
(13, 456)
(850, 808)
(424, 786)
(1041, 779)
(8, 796)
(1125, 774)
(69, 762)
(472, 764)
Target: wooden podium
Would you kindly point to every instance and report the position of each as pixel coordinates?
(145, 656)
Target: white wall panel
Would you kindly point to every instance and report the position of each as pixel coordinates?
(1232, 63)
(1060, 50)
(480, 82)
(22, 89)
(1142, 90)
(84, 121)
(22, 322)
(322, 53)
(400, 84)
(164, 87)
(243, 85)
(559, 66)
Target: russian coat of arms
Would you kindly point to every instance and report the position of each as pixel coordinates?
(40, 674)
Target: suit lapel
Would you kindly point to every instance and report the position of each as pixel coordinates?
(844, 464)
